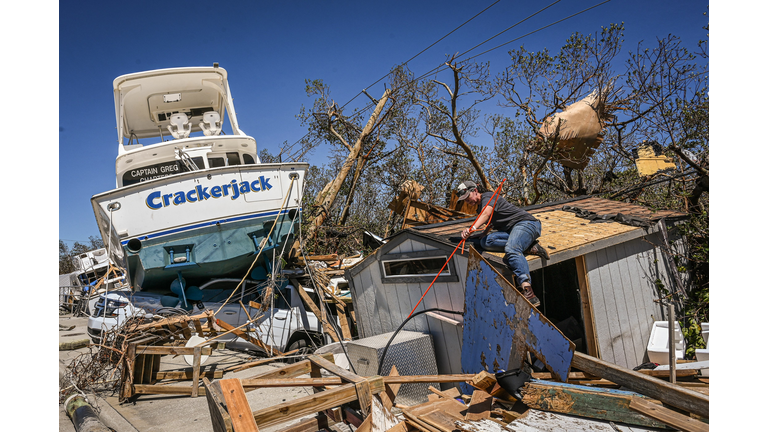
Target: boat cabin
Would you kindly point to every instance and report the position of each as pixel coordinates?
(171, 121)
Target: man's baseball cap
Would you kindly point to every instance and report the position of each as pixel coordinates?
(465, 188)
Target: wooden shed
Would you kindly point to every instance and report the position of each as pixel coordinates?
(606, 271)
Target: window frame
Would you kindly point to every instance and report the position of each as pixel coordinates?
(448, 275)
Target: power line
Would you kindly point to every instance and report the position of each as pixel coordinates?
(442, 66)
(406, 62)
(425, 49)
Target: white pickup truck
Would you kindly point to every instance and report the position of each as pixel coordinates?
(287, 326)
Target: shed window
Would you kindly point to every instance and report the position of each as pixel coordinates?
(416, 267)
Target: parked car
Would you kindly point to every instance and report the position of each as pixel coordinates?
(286, 325)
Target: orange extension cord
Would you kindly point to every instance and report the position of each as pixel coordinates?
(461, 243)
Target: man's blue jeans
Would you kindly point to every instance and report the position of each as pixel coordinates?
(513, 244)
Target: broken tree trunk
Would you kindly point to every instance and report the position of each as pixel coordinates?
(327, 197)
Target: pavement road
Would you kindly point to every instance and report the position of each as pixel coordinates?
(163, 413)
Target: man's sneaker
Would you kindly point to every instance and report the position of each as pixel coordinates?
(538, 250)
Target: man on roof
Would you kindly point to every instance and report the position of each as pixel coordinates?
(515, 233)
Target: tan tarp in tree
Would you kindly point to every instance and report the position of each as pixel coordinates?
(581, 126)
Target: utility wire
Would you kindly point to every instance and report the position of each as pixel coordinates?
(442, 67)
(425, 49)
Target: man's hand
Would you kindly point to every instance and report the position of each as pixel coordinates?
(465, 234)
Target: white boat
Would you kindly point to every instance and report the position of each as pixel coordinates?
(191, 203)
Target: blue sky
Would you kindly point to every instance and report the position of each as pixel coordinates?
(270, 48)
(58, 116)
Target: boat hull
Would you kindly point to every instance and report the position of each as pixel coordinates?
(201, 225)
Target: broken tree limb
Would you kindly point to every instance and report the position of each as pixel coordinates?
(667, 393)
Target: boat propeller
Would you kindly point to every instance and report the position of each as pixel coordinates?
(186, 296)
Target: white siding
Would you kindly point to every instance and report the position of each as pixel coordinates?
(382, 308)
(622, 281)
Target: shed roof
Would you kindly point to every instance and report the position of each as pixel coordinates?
(565, 234)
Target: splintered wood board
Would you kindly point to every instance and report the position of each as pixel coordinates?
(500, 326)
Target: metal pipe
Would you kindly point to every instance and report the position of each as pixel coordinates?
(83, 416)
(672, 343)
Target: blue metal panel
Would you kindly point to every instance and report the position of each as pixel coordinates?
(500, 326)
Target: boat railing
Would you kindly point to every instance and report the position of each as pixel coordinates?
(187, 160)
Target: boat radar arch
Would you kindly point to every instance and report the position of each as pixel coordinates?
(172, 103)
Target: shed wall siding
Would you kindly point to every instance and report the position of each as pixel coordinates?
(622, 281)
(382, 308)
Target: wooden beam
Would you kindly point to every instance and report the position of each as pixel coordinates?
(596, 403)
(165, 389)
(313, 403)
(196, 371)
(220, 419)
(335, 369)
(341, 310)
(674, 395)
(244, 366)
(248, 337)
(479, 406)
(308, 301)
(590, 330)
(290, 371)
(667, 416)
(288, 381)
(165, 350)
(186, 375)
(237, 406)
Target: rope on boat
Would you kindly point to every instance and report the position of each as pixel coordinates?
(263, 245)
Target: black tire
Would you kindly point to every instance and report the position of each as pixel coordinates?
(302, 345)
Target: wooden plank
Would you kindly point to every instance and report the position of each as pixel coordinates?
(138, 369)
(311, 424)
(249, 338)
(186, 375)
(312, 306)
(586, 307)
(596, 403)
(419, 424)
(335, 369)
(400, 427)
(670, 394)
(441, 420)
(479, 406)
(390, 390)
(668, 416)
(341, 310)
(313, 403)
(130, 359)
(196, 372)
(237, 406)
(165, 389)
(244, 366)
(220, 419)
(168, 350)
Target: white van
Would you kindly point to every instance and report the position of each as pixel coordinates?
(287, 326)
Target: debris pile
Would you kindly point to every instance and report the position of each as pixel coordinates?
(367, 403)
